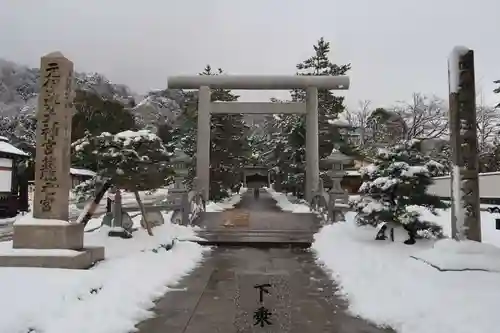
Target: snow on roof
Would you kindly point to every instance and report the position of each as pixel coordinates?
(7, 148)
(82, 172)
(339, 122)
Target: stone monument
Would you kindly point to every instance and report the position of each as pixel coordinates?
(466, 217)
(48, 229)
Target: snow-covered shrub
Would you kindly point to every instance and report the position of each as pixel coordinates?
(132, 160)
(398, 179)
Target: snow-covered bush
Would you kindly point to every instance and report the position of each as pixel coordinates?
(397, 180)
(132, 160)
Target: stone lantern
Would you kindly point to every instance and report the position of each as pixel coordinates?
(338, 197)
(180, 163)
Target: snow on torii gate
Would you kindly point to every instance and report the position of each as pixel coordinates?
(258, 82)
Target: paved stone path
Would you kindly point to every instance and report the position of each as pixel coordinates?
(258, 223)
(216, 296)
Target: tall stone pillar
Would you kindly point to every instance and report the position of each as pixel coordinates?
(53, 133)
(203, 141)
(466, 218)
(312, 142)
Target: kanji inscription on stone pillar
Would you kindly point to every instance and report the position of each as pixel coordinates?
(466, 222)
(53, 138)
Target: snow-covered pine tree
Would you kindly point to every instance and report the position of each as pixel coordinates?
(132, 160)
(229, 147)
(291, 162)
(397, 180)
(329, 105)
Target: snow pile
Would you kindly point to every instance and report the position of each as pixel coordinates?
(451, 255)
(489, 234)
(112, 297)
(284, 203)
(227, 203)
(384, 284)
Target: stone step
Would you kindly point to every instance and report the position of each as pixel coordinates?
(253, 231)
(256, 238)
(254, 242)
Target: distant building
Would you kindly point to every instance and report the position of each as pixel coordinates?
(10, 157)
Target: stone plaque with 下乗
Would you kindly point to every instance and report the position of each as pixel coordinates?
(262, 302)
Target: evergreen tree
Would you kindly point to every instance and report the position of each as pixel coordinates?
(399, 178)
(97, 115)
(229, 147)
(134, 161)
(329, 105)
(290, 159)
(166, 134)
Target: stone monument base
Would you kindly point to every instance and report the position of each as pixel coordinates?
(48, 236)
(57, 244)
(51, 258)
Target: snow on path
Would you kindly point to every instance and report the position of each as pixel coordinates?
(227, 203)
(284, 203)
(111, 297)
(385, 285)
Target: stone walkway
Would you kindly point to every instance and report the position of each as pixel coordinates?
(220, 295)
(258, 223)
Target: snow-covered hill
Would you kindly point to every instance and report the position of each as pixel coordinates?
(19, 91)
(19, 88)
(159, 106)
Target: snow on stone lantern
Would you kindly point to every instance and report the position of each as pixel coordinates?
(338, 197)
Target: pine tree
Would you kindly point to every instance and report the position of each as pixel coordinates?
(98, 115)
(134, 161)
(291, 160)
(399, 178)
(229, 147)
(329, 105)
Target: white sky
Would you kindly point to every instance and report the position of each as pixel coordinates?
(396, 47)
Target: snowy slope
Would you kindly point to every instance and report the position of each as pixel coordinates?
(159, 106)
(19, 88)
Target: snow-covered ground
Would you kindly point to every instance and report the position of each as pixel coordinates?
(283, 202)
(111, 297)
(393, 284)
(128, 198)
(384, 284)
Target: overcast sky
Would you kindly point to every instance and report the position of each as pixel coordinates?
(396, 47)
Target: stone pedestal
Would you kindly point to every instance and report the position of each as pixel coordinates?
(52, 258)
(64, 236)
(47, 239)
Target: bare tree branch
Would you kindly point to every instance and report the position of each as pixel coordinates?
(359, 118)
(425, 117)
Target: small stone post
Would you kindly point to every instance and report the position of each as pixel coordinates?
(186, 207)
(117, 209)
(53, 132)
(466, 221)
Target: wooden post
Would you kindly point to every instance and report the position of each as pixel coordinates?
(466, 220)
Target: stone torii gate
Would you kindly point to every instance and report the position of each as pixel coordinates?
(258, 82)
